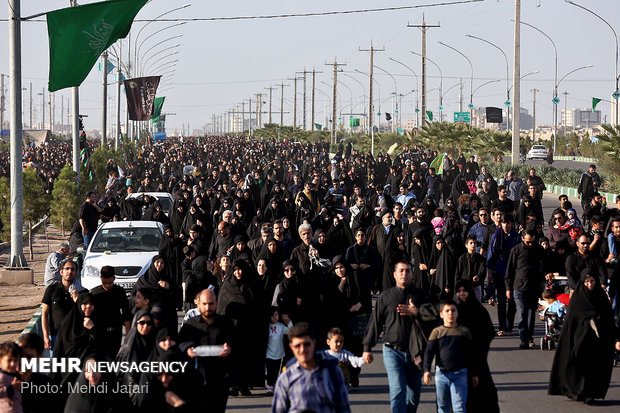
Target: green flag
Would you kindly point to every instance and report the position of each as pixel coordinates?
(78, 36)
(318, 126)
(594, 103)
(429, 114)
(354, 122)
(438, 164)
(158, 103)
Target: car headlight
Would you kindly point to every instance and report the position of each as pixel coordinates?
(91, 271)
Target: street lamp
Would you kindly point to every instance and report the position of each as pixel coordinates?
(556, 100)
(555, 77)
(415, 110)
(161, 66)
(526, 75)
(155, 54)
(143, 27)
(507, 103)
(440, 85)
(363, 92)
(395, 93)
(616, 93)
(471, 80)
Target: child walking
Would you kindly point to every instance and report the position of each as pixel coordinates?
(275, 348)
(347, 361)
(451, 346)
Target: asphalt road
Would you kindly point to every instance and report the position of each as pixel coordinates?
(581, 166)
(521, 376)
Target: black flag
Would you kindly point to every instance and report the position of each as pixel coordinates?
(388, 116)
(140, 94)
(494, 115)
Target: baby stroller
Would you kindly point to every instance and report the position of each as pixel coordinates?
(553, 320)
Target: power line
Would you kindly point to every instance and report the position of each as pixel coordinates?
(289, 15)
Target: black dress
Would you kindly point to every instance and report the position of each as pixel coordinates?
(583, 362)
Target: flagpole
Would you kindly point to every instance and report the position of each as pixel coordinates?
(118, 98)
(16, 259)
(104, 114)
(75, 130)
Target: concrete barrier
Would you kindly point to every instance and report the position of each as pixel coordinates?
(34, 325)
(16, 276)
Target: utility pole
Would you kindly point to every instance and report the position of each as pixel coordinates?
(242, 116)
(30, 104)
(314, 72)
(516, 85)
(62, 114)
(564, 123)
(2, 101)
(534, 115)
(104, 112)
(460, 95)
(76, 123)
(282, 85)
(250, 116)
(117, 136)
(304, 104)
(16, 258)
(424, 27)
(371, 110)
(259, 109)
(294, 102)
(334, 119)
(270, 92)
(43, 110)
(49, 108)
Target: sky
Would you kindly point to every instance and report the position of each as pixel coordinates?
(222, 63)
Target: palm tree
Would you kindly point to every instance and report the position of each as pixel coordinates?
(611, 142)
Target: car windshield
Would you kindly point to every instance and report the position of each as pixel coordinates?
(539, 148)
(127, 240)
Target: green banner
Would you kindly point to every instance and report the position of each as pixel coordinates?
(594, 103)
(158, 103)
(400, 131)
(78, 36)
(318, 126)
(429, 115)
(354, 122)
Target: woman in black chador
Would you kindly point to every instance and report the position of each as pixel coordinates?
(583, 362)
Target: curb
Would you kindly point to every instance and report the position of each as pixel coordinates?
(34, 325)
(557, 189)
(575, 158)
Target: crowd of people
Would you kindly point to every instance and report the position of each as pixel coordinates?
(276, 251)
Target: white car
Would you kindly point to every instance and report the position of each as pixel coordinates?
(128, 246)
(165, 199)
(538, 152)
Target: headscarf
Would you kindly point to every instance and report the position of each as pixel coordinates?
(152, 277)
(74, 340)
(137, 347)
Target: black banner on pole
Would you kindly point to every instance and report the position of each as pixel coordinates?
(140, 93)
(494, 115)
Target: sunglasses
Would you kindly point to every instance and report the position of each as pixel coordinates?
(289, 270)
(142, 323)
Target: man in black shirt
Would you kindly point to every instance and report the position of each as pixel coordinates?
(210, 329)
(57, 301)
(111, 300)
(89, 217)
(396, 309)
(524, 278)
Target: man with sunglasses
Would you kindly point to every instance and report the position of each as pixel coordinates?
(524, 278)
(301, 387)
(581, 259)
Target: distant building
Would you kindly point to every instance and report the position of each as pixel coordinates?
(580, 118)
(479, 120)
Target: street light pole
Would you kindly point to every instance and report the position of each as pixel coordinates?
(555, 79)
(556, 101)
(616, 93)
(507, 76)
(395, 93)
(417, 98)
(471, 80)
